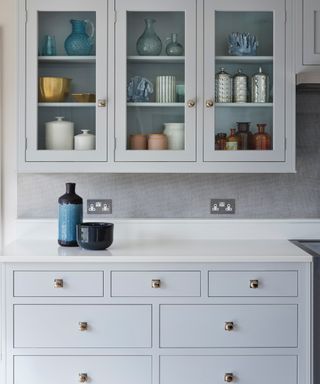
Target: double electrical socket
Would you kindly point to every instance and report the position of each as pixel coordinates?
(222, 206)
(99, 206)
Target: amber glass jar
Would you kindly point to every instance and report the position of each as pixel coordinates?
(232, 141)
(244, 136)
(221, 141)
(261, 139)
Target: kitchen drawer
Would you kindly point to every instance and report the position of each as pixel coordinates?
(57, 326)
(155, 283)
(67, 369)
(242, 369)
(203, 326)
(253, 283)
(58, 283)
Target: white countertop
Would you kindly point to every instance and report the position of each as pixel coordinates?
(148, 250)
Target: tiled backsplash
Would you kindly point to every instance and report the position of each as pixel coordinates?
(188, 195)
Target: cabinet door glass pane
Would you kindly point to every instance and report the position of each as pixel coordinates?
(156, 79)
(244, 78)
(67, 82)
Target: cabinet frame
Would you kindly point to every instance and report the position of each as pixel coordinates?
(153, 166)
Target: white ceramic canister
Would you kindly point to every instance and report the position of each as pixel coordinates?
(175, 133)
(59, 134)
(85, 141)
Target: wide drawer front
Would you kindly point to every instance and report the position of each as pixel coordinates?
(253, 283)
(75, 369)
(155, 283)
(58, 283)
(96, 326)
(220, 369)
(213, 326)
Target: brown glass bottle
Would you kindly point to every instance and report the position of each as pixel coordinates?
(232, 141)
(261, 139)
(244, 136)
(221, 141)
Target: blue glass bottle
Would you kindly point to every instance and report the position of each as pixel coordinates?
(70, 214)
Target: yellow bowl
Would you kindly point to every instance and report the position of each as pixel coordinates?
(53, 89)
(84, 97)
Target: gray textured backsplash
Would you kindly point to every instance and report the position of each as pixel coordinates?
(187, 195)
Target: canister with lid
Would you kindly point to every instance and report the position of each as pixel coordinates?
(59, 134)
(260, 87)
(240, 87)
(223, 87)
(85, 141)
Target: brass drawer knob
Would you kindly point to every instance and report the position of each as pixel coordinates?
(83, 377)
(254, 284)
(191, 103)
(228, 377)
(83, 326)
(155, 283)
(228, 326)
(102, 103)
(209, 103)
(58, 283)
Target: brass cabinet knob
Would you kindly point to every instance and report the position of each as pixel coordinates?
(155, 283)
(209, 103)
(83, 377)
(228, 377)
(228, 326)
(102, 103)
(254, 284)
(58, 283)
(83, 326)
(191, 103)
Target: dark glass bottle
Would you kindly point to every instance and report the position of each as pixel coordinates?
(70, 214)
(244, 135)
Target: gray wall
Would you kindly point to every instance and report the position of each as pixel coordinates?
(187, 196)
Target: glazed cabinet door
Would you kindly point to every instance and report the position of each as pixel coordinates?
(155, 48)
(66, 80)
(311, 32)
(244, 81)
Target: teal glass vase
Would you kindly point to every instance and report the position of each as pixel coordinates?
(149, 43)
(174, 48)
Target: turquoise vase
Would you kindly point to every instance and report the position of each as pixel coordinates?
(174, 48)
(149, 43)
(79, 43)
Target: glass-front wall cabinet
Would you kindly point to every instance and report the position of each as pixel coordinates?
(244, 83)
(155, 47)
(66, 80)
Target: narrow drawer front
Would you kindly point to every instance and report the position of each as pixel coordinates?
(212, 326)
(58, 283)
(253, 283)
(68, 369)
(73, 326)
(155, 283)
(214, 369)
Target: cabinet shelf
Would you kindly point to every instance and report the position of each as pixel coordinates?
(156, 59)
(64, 105)
(67, 59)
(244, 59)
(244, 105)
(181, 105)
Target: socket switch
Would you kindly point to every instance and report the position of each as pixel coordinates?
(99, 206)
(222, 206)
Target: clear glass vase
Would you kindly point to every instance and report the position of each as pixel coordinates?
(149, 43)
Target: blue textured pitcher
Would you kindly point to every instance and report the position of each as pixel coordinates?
(79, 43)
